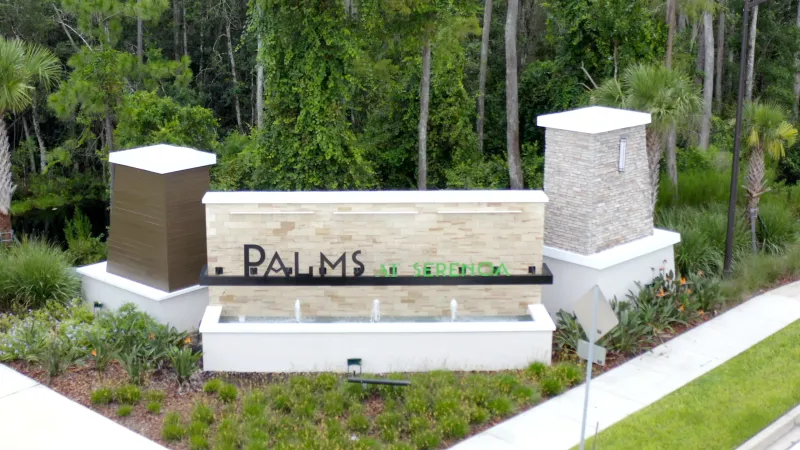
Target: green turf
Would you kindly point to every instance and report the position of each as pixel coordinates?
(721, 409)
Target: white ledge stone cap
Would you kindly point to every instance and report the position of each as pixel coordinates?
(375, 197)
(163, 158)
(593, 120)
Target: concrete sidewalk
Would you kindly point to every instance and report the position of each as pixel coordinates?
(620, 392)
(34, 417)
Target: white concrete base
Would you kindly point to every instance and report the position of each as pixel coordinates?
(615, 270)
(182, 309)
(383, 347)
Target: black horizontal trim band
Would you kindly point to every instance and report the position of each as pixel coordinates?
(545, 277)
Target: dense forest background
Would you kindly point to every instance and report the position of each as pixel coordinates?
(348, 94)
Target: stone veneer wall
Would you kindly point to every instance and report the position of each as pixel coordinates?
(593, 206)
(515, 239)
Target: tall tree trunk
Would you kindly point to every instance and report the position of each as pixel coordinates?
(672, 157)
(755, 188)
(185, 36)
(424, 101)
(512, 100)
(233, 74)
(139, 34)
(751, 56)
(7, 187)
(708, 79)
(653, 144)
(671, 11)
(28, 138)
(176, 28)
(487, 26)
(720, 54)
(797, 75)
(38, 132)
(259, 78)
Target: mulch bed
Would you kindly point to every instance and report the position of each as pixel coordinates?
(78, 382)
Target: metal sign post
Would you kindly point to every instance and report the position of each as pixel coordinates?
(596, 324)
(589, 362)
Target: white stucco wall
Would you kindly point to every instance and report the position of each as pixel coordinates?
(182, 309)
(383, 347)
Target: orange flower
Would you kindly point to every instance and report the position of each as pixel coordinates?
(681, 308)
(188, 340)
(94, 352)
(661, 293)
(701, 312)
(689, 291)
(151, 336)
(683, 280)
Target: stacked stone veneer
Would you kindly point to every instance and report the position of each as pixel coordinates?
(592, 205)
(439, 232)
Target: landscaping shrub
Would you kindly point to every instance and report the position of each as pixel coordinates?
(124, 410)
(33, 273)
(102, 396)
(198, 442)
(478, 415)
(570, 373)
(228, 393)
(154, 407)
(326, 382)
(59, 353)
(499, 405)
(173, 429)
(552, 385)
(427, 439)
(155, 396)
(357, 421)
(212, 386)
(696, 188)
(82, 247)
(537, 369)
(777, 229)
(203, 413)
(454, 426)
(184, 362)
(128, 394)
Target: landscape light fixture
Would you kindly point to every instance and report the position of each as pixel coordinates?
(727, 267)
(623, 146)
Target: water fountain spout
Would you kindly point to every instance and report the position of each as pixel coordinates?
(376, 310)
(453, 308)
(297, 310)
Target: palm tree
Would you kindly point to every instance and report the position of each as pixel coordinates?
(668, 95)
(767, 132)
(22, 65)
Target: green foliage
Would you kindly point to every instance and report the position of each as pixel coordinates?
(22, 66)
(59, 353)
(658, 307)
(102, 396)
(128, 394)
(33, 273)
(154, 407)
(537, 370)
(552, 385)
(173, 428)
(212, 386)
(82, 246)
(357, 422)
(184, 362)
(228, 393)
(667, 94)
(147, 119)
(202, 413)
(570, 373)
(124, 410)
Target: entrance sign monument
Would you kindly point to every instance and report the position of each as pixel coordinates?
(400, 280)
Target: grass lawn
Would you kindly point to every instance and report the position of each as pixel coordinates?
(723, 408)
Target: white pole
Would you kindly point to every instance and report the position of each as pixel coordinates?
(591, 335)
